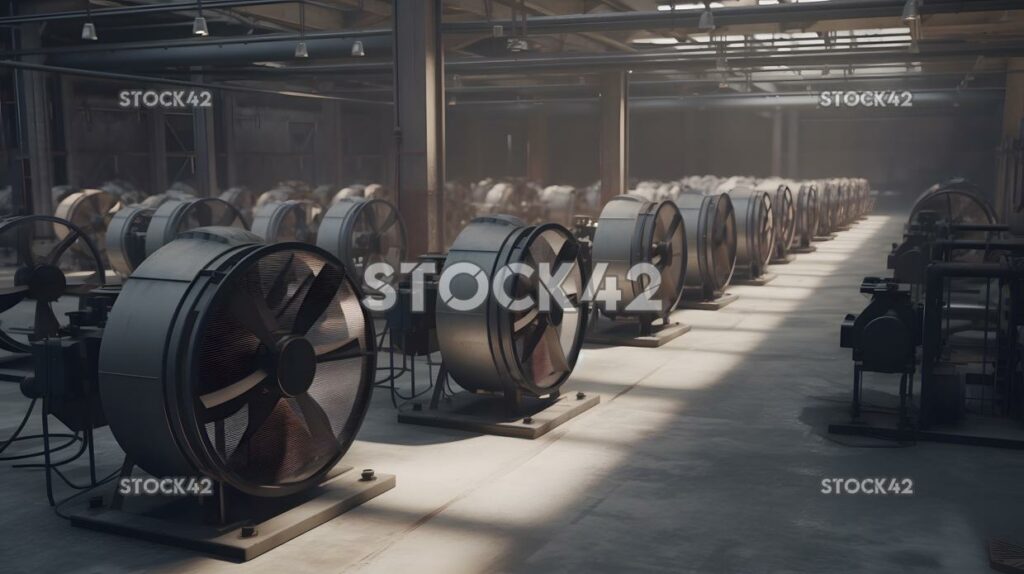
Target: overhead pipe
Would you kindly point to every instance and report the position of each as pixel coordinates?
(115, 47)
(730, 16)
(145, 9)
(214, 53)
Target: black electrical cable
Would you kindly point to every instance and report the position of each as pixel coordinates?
(73, 439)
(57, 507)
(21, 426)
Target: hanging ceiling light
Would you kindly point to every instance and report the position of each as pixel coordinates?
(357, 49)
(707, 19)
(301, 50)
(89, 29)
(910, 11)
(199, 26)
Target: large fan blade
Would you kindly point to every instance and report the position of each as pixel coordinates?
(392, 218)
(58, 250)
(533, 339)
(279, 286)
(260, 406)
(676, 220)
(333, 351)
(227, 216)
(316, 419)
(46, 323)
(524, 321)
(251, 311)
(11, 296)
(321, 293)
(234, 390)
(553, 345)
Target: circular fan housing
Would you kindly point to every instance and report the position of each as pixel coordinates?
(503, 348)
(807, 212)
(248, 363)
(42, 278)
(784, 214)
(957, 205)
(174, 217)
(90, 210)
(292, 220)
(633, 231)
(755, 238)
(711, 244)
(362, 232)
(242, 199)
(126, 238)
(827, 210)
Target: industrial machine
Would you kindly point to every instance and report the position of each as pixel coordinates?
(291, 220)
(783, 215)
(362, 232)
(710, 224)
(175, 217)
(807, 213)
(643, 246)
(526, 348)
(884, 338)
(756, 231)
(90, 210)
(126, 238)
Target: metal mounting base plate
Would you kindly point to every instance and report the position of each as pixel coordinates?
(179, 522)
(487, 414)
(763, 279)
(789, 258)
(828, 237)
(712, 305)
(799, 250)
(627, 334)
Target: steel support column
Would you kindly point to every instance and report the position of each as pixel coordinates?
(778, 125)
(1013, 128)
(614, 134)
(419, 122)
(792, 148)
(204, 134)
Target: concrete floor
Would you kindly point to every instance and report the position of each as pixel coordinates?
(706, 455)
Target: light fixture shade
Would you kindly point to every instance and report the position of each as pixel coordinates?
(707, 20)
(199, 27)
(357, 49)
(910, 12)
(301, 51)
(89, 32)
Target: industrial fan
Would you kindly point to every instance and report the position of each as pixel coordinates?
(42, 279)
(956, 204)
(126, 238)
(783, 214)
(362, 232)
(633, 231)
(807, 212)
(711, 244)
(89, 210)
(272, 369)
(174, 217)
(756, 231)
(292, 220)
(509, 349)
(242, 199)
(827, 211)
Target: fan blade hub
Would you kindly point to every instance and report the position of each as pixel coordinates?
(46, 283)
(295, 365)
